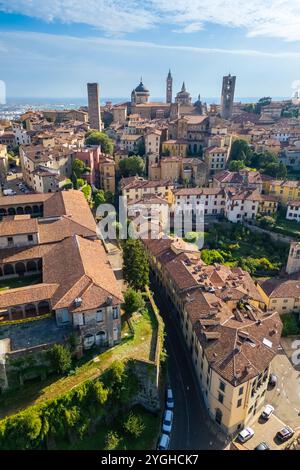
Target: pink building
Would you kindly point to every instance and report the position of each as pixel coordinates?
(90, 156)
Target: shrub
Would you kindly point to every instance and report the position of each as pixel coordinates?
(134, 425)
(112, 440)
(60, 358)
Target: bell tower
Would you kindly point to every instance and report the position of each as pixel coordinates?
(227, 97)
(169, 89)
(293, 262)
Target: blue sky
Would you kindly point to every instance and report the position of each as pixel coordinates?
(51, 48)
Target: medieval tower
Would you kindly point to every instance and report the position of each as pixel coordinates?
(169, 89)
(293, 262)
(227, 96)
(94, 106)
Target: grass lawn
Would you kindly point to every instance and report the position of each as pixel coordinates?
(291, 324)
(20, 282)
(137, 346)
(97, 441)
(291, 227)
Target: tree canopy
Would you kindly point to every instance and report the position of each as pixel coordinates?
(132, 166)
(100, 138)
(135, 264)
(133, 301)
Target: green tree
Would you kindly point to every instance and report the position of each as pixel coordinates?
(78, 168)
(60, 358)
(112, 440)
(99, 198)
(131, 166)
(236, 165)
(134, 425)
(87, 191)
(277, 170)
(133, 301)
(135, 264)
(212, 256)
(102, 139)
(261, 160)
(241, 150)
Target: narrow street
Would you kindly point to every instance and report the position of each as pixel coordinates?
(192, 426)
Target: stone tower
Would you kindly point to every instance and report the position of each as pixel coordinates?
(293, 262)
(94, 106)
(169, 89)
(227, 96)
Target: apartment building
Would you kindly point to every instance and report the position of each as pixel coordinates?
(231, 339)
(36, 159)
(130, 142)
(135, 188)
(293, 211)
(200, 201)
(216, 158)
(153, 142)
(176, 148)
(285, 191)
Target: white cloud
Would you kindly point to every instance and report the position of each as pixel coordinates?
(273, 18)
(34, 44)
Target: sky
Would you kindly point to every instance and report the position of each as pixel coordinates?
(52, 48)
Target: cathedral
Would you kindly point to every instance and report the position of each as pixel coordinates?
(182, 105)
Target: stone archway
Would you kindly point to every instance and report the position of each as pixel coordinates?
(16, 313)
(20, 210)
(101, 338)
(31, 266)
(28, 210)
(30, 310)
(20, 268)
(11, 211)
(8, 269)
(43, 307)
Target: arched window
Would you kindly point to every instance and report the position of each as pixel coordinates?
(31, 266)
(2, 212)
(30, 310)
(101, 338)
(11, 211)
(16, 313)
(88, 341)
(28, 210)
(8, 269)
(20, 210)
(43, 307)
(20, 268)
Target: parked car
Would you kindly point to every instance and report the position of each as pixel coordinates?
(262, 446)
(9, 173)
(285, 434)
(245, 435)
(273, 380)
(9, 192)
(267, 411)
(164, 442)
(167, 421)
(169, 399)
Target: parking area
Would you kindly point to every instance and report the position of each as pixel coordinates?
(14, 181)
(285, 396)
(265, 431)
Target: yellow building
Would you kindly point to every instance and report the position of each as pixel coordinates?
(285, 190)
(107, 175)
(267, 205)
(176, 148)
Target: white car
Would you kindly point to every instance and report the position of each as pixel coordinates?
(169, 399)
(167, 422)
(267, 411)
(164, 442)
(245, 435)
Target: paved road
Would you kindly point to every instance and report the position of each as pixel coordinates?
(191, 430)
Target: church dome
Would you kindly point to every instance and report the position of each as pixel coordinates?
(141, 88)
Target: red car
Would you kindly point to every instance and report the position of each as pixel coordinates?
(285, 434)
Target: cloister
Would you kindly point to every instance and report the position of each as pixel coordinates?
(20, 268)
(33, 309)
(20, 209)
